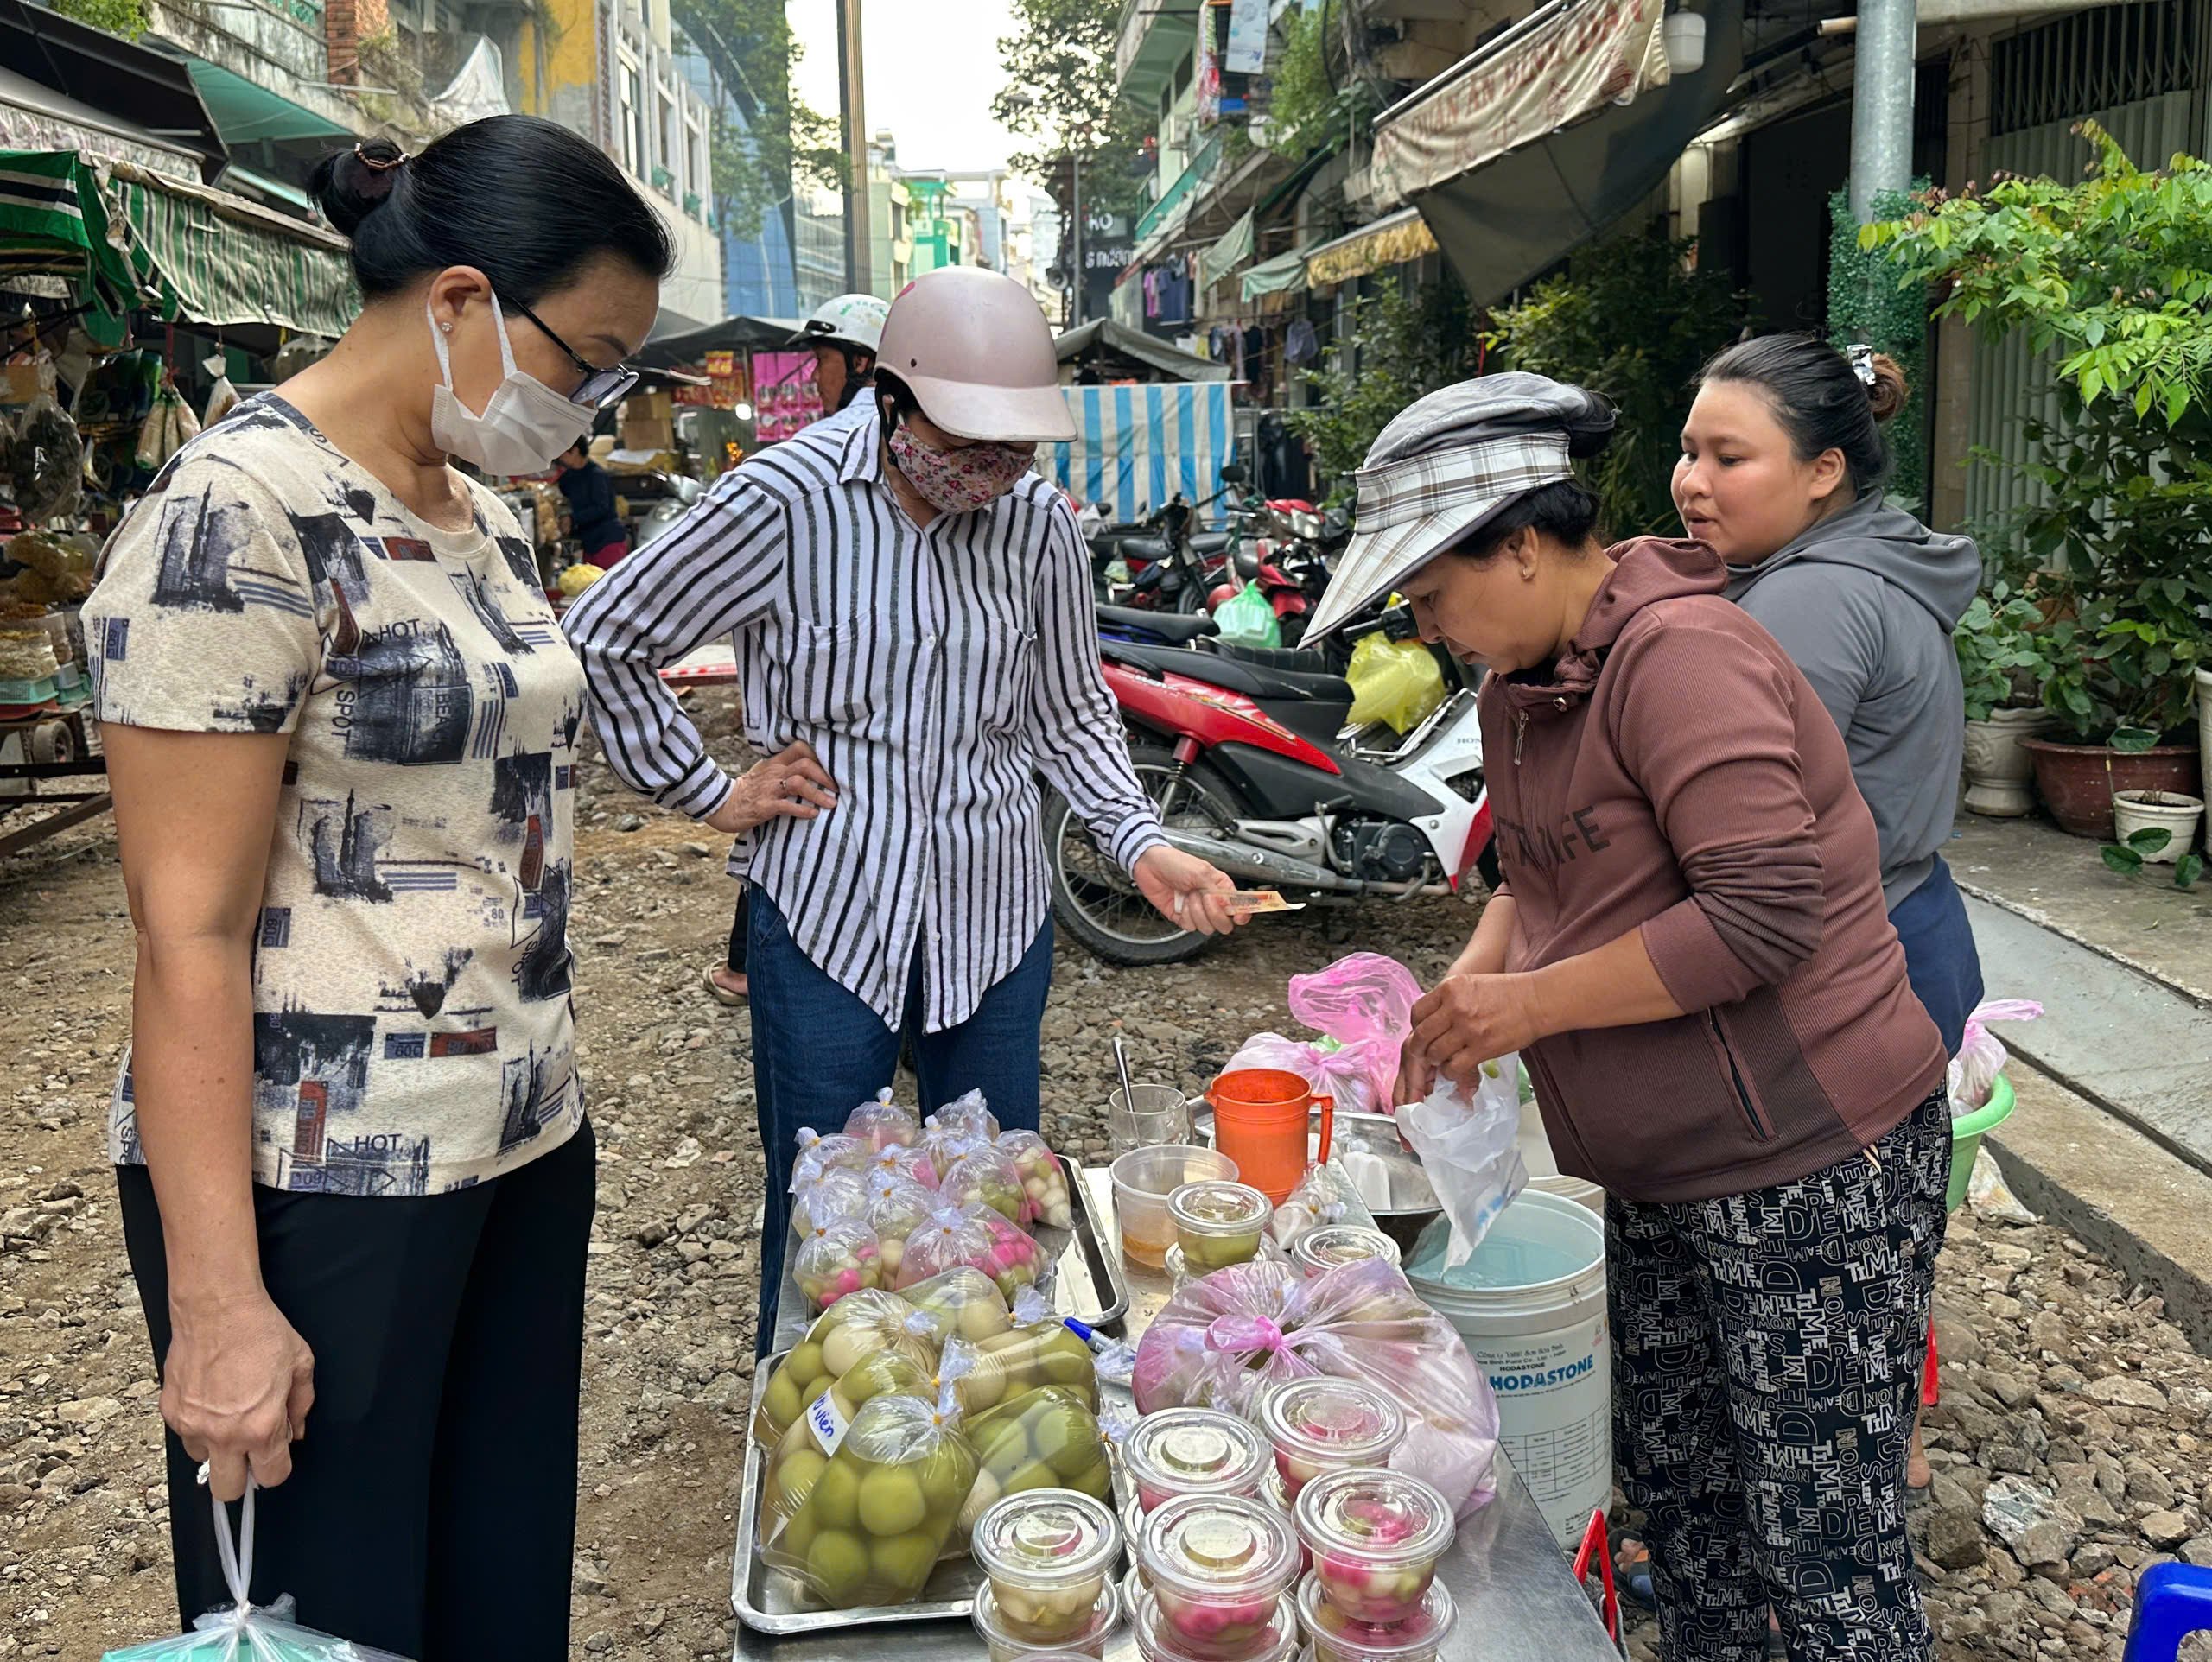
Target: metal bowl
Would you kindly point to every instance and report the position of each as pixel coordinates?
(1413, 1203)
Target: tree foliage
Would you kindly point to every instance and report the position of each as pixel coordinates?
(2110, 279)
(1634, 318)
(127, 18)
(1059, 101)
(782, 142)
(1401, 345)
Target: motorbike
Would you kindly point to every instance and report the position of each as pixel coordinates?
(1249, 757)
(680, 493)
(1158, 562)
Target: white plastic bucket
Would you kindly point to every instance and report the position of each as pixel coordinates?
(1531, 1305)
(1543, 1167)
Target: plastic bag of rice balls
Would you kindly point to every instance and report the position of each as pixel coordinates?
(838, 1258)
(1039, 1350)
(882, 1124)
(807, 1443)
(845, 1335)
(817, 1154)
(950, 1238)
(1016, 1261)
(896, 1208)
(833, 1194)
(1044, 1182)
(969, 1116)
(961, 1303)
(979, 1175)
(1048, 1438)
(874, 1523)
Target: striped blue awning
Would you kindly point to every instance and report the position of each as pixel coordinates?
(1137, 446)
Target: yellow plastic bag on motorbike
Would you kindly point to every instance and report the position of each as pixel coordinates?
(1396, 681)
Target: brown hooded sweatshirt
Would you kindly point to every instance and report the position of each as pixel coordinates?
(1675, 771)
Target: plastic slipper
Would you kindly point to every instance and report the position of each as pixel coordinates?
(721, 995)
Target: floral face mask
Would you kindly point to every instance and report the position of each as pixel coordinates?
(960, 481)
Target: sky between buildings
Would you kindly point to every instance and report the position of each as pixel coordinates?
(932, 68)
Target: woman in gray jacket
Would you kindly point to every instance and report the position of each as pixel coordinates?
(1781, 475)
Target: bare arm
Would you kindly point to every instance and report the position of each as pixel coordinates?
(194, 813)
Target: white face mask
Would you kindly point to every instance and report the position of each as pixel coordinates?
(524, 424)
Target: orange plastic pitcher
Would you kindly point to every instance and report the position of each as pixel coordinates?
(1259, 1119)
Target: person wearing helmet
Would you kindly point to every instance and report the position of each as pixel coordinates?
(1690, 952)
(910, 604)
(844, 335)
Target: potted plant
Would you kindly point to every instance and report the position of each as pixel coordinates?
(2002, 664)
(2111, 279)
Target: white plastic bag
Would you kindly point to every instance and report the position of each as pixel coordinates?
(244, 1633)
(1471, 1150)
(1981, 1054)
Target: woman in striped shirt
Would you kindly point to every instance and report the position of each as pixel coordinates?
(910, 610)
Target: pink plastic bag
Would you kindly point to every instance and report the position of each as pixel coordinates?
(1981, 1054)
(1365, 1004)
(1222, 1341)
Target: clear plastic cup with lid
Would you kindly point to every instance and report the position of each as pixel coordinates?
(1219, 1224)
(1375, 1538)
(1003, 1639)
(1219, 1566)
(1338, 1637)
(1182, 1452)
(1322, 1425)
(1279, 1638)
(1328, 1245)
(1049, 1554)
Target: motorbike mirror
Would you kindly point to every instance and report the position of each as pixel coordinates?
(1234, 475)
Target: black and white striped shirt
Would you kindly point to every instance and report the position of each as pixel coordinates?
(934, 671)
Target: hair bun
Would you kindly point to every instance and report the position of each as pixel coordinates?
(1887, 393)
(349, 185)
(1589, 430)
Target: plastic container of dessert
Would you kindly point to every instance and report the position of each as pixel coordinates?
(1144, 1178)
(1338, 1637)
(1219, 1224)
(1279, 1639)
(1005, 1643)
(1049, 1555)
(1193, 1451)
(1328, 1245)
(1375, 1538)
(1324, 1424)
(1217, 1567)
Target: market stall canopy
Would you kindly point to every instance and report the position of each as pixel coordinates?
(247, 114)
(1101, 342)
(54, 221)
(1391, 240)
(135, 91)
(1283, 274)
(1234, 248)
(1137, 446)
(222, 261)
(1551, 133)
(731, 334)
(34, 117)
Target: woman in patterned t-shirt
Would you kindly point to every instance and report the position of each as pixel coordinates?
(356, 1177)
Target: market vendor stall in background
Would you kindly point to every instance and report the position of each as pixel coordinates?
(136, 305)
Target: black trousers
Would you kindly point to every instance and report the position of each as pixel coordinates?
(1767, 1352)
(432, 1506)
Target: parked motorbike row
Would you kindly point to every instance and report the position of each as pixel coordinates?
(1250, 752)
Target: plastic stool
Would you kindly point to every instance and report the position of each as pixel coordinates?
(2172, 1601)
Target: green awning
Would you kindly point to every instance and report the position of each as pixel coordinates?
(246, 114)
(234, 174)
(1284, 274)
(222, 260)
(54, 219)
(1234, 248)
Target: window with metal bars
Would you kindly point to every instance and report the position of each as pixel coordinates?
(2097, 59)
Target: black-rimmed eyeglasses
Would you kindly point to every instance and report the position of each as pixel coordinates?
(599, 388)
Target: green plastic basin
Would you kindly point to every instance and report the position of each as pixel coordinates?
(1967, 1133)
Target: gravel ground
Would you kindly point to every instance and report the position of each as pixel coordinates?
(2070, 1403)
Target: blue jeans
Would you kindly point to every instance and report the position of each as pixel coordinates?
(1939, 960)
(819, 1051)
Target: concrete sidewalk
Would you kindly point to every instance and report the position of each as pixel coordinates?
(2112, 1137)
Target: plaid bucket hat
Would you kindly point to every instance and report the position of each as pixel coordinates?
(1447, 464)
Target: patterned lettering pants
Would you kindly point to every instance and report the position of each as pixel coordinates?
(1767, 1351)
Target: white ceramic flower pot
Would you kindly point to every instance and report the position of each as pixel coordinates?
(1998, 771)
(2167, 811)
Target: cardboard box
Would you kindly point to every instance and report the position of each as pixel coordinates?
(649, 433)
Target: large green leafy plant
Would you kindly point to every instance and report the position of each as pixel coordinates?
(1634, 318)
(2001, 651)
(2110, 280)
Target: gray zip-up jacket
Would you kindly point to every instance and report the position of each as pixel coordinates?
(1864, 603)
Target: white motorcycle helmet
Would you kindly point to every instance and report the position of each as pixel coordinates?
(853, 322)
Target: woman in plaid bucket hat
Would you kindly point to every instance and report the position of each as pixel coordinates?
(1691, 953)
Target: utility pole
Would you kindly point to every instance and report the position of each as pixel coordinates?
(1075, 304)
(851, 104)
(1881, 102)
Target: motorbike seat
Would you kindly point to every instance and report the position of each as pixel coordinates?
(1209, 542)
(1143, 547)
(1295, 660)
(1231, 674)
(1181, 627)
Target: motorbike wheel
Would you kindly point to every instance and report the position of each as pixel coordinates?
(1190, 598)
(1097, 902)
